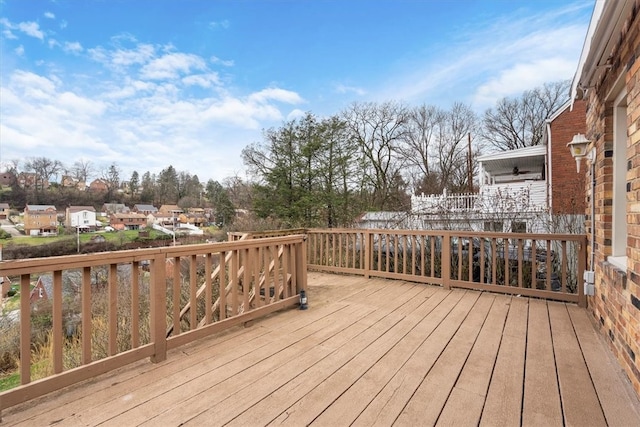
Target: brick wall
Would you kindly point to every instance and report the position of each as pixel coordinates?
(567, 187)
(616, 304)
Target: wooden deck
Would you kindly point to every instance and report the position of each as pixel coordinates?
(369, 352)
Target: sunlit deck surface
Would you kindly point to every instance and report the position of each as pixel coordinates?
(369, 352)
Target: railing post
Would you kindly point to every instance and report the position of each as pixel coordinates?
(158, 313)
(368, 253)
(445, 260)
(582, 260)
(301, 265)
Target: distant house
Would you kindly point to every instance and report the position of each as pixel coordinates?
(112, 208)
(196, 219)
(4, 210)
(81, 217)
(144, 209)
(71, 286)
(128, 221)
(162, 219)
(170, 209)
(566, 187)
(42, 291)
(99, 185)
(70, 182)
(7, 179)
(200, 211)
(40, 219)
(29, 180)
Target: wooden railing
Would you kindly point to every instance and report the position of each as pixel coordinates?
(541, 265)
(103, 311)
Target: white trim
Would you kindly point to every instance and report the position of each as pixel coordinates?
(619, 189)
(606, 20)
(536, 150)
(619, 262)
(559, 111)
(550, 168)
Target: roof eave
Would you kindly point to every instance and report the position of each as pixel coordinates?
(605, 21)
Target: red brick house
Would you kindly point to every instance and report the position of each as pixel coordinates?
(99, 186)
(566, 187)
(7, 179)
(128, 221)
(608, 79)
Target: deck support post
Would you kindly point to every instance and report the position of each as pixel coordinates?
(368, 253)
(446, 260)
(158, 313)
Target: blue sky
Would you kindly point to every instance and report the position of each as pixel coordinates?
(190, 83)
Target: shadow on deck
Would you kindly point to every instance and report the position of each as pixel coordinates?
(369, 352)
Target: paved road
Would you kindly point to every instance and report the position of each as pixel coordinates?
(8, 226)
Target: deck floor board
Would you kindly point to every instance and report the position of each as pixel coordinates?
(368, 352)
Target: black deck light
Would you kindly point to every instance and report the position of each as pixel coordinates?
(303, 300)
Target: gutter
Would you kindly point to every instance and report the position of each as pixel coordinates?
(606, 21)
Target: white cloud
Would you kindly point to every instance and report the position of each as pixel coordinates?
(219, 24)
(504, 57)
(19, 50)
(296, 113)
(203, 80)
(226, 63)
(170, 66)
(49, 15)
(8, 34)
(63, 25)
(276, 94)
(37, 116)
(72, 47)
(121, 58)
(120, 117)
(342, 89)
(521, 77)
(31, 29)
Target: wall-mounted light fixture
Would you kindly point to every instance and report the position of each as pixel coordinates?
(578, 147)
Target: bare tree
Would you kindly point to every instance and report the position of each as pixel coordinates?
(520, 122)
(82, 169)
(451, 147)
(111, 177)
(378, 130)
(44, 169)
(435, 148)
(423, 123)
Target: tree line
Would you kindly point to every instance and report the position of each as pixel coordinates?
(167, 187)
(324, 171)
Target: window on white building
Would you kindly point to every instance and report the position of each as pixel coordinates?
(495, 226)
(518, 227)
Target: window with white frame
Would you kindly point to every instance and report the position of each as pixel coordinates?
(619, 218)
